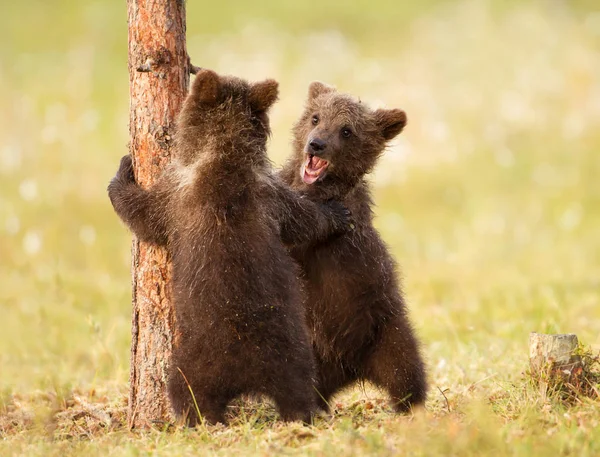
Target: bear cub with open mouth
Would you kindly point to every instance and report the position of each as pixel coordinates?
(355, 309)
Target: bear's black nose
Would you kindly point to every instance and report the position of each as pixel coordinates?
(317, 145)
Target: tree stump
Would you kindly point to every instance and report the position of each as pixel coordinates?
(555, 367)
(556, 351)
(158, 81)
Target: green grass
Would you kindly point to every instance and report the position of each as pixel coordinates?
(489, 201)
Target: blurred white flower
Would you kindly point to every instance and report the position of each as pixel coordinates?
(32, 242)
(573, 126)
(10, 158)
(89, 120)
(504, 157)
(522, 233)
(438, 131)
(12, 225)
(490, 224)
(87, 234)
(56, 113)
(393, 222)
(28, 190)
(441, 364)
(545, 175)
(49, 134)
(571, 217)
(514, 108)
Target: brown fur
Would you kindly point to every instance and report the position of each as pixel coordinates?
(355, 309)
(236, 291)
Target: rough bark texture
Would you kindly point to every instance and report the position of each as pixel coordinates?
(158, 78)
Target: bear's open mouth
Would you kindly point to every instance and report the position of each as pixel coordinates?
(313, 169)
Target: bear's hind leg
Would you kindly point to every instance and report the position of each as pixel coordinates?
(211, 403)
(331, 378)
(212, 409)
(290, 383)
(396, 365)
(296, 409)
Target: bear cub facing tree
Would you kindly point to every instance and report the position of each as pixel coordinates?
(355, 309)
(240, 318)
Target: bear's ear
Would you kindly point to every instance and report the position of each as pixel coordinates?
(263, 94)
(207, 87)
(317, 88)
(390, 122)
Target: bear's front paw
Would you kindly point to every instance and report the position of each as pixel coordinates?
(122, 179)
(341, 216)
(125, 172)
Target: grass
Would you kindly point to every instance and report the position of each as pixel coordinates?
(489, 201)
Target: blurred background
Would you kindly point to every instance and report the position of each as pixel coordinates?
(489, 200)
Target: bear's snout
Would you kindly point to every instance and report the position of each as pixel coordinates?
(316, 145)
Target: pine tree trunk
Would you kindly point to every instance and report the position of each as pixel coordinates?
(158, 79)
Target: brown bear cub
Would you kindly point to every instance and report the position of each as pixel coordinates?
(221, 213)
(355, 309)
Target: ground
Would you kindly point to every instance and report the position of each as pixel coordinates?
(489, 200)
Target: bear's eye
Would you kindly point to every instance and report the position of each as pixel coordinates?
(315, 120)
(346, 132)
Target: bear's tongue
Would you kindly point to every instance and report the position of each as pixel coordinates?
(313, 168)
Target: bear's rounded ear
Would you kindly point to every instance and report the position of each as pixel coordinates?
(207, 87)
(263, 94)
(317, 88)
(390, 122)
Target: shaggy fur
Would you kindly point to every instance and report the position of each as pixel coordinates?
(236, 291)
(355, 309)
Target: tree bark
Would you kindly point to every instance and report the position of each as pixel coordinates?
(158, 80)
